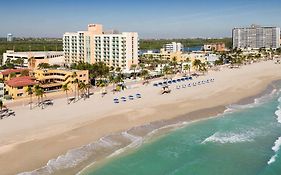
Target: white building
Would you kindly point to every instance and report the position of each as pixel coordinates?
(9, 37)
(211, 58)
(173, 47)
(256, 37)
(113, 48)
(51, 57)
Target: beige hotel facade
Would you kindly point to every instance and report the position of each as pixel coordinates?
(113, 48)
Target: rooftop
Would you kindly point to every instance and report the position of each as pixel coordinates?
(34, 54)
(21, 81)
(9, 71)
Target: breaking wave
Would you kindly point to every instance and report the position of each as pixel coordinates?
(231, 137)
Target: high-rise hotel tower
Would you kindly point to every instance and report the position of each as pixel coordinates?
(256, 37)
(113, 48)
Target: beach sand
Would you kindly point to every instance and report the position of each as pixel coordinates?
(32, 137)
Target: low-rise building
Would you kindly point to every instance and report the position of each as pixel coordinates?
(16, 87)
(218, 47)
(54, 79)
(8, 74)
(50, 80)
(163, 55)
(33, 59)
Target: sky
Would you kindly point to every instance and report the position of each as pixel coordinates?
(150, 18)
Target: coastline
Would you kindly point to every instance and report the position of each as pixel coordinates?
(181, 121)
(87, 131)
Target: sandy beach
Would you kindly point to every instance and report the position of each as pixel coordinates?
(33, 137)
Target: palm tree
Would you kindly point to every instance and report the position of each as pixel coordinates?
(39, 93)
(133, 67)
(187, 67)
(1, 105)
(166, 70)
(88, 86)
(203, 68)
(66, 89)
(174, 63)
(31, 62)
(29, 91)
(144, 74)
(75, 82)
(196, 63)
(82, 88)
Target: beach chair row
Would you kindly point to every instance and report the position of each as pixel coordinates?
(196, 83)
(7, 113)
(129, 98)
(179, 80)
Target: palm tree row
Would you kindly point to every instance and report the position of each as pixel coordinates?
(39, 93)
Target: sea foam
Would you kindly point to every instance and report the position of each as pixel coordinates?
(223, 138)
(258, 101)
(275, 148)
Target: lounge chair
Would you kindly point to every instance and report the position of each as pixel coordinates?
(116, 100)
(183, 86)
(178, 87)
(131, 97)
(138, 95)
(123, 99)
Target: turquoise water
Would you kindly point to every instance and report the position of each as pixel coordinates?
(242, 141)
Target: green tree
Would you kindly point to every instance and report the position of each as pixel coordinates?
(196, 63)
(24, 72)
(134, 67)
(1, 105)
(65, 88)
(75, 83)
(187, 67)
(12, 75)
(44, 66)
(39, 92)
(29, 91)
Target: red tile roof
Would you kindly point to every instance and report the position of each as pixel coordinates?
(9, 71)
(21, 81)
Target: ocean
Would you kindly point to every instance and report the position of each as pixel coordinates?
(244, 140)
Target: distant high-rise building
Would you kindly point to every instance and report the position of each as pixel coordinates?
(10, 37)
(256, 37)
(113, 48)
(173, 47)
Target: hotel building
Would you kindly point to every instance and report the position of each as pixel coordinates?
(112, 48)
(50, 80)
(256, 37)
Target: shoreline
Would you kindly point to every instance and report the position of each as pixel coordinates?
(179, 122)
(131, 115)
